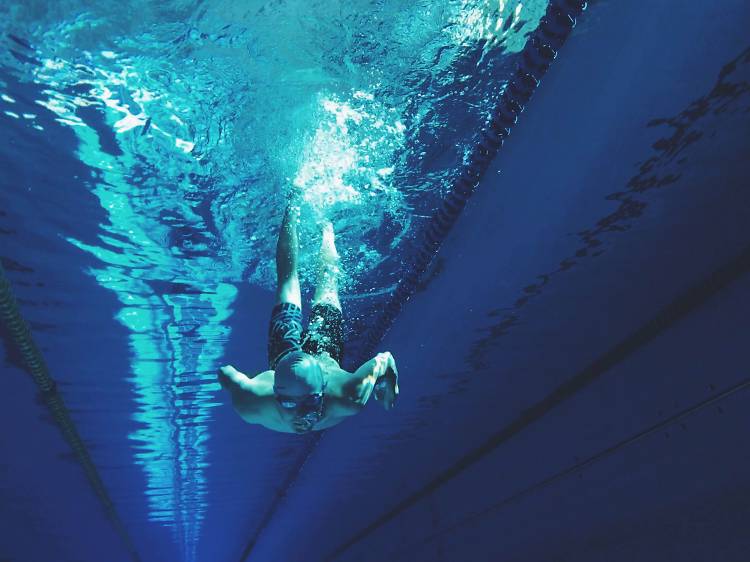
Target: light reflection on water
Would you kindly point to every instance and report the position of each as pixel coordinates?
(197, 117)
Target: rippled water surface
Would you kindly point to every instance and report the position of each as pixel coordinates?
(194, 119)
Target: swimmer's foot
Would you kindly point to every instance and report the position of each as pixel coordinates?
(329, 256)
(295, 195)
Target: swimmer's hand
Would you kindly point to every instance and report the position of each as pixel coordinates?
(386, 387)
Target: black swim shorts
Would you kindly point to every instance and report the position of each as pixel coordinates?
(324, 332)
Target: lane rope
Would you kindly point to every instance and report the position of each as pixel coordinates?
(22, 340)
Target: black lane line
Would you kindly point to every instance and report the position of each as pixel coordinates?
(281, 494)
(691, 299)
(601, 455)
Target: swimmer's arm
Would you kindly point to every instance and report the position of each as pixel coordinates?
(250, 396)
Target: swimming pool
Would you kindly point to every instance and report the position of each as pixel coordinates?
(170, 135)
(149, 151)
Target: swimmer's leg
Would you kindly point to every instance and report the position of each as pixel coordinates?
(287, 248)
(326, 290)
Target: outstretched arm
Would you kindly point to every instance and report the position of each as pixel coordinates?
(287, 247)
(249, 395)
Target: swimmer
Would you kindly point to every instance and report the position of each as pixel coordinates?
(305, 388)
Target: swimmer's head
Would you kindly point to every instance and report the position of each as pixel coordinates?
(298, 374)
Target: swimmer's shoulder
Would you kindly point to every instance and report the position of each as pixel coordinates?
(262, 383)
(340, 391)
(255, 399)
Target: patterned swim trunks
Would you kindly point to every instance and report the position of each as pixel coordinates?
(324, 332)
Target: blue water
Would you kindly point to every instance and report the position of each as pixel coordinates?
(150, 150)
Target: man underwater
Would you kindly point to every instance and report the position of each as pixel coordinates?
(305, 388)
